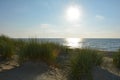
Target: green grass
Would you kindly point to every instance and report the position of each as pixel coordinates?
(6, 47)
(82, 63)
(35, 51)
(19, 43)
(116, 59)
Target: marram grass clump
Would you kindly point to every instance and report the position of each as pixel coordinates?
(36, 51)
(116, 59)
(6, 47)
(81, 65)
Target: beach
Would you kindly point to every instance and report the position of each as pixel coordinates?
(41, 71)
(59, 40)
(35, 60)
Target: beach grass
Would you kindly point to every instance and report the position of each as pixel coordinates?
(116, 59)
(36, 51)
(6, 47)
(18, 43)
(81, 64)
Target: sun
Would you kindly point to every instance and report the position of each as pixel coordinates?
(73, 13)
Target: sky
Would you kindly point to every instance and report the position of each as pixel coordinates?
(49, 18)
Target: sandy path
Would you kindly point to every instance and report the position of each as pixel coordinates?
(33, 71)
(30, 71)
(25, 72)
(101, 74)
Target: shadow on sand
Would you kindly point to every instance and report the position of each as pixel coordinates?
(33, 71)
(28, 71)
(101, 74)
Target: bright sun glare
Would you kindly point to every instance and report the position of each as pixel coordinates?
(73, 13)
(73, 42)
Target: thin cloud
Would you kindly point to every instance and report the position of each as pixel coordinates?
(100, 17)
(44, 26)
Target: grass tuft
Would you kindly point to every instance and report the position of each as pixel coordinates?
(36, 51)
(83, 62)
(116, 59)
(6, 47)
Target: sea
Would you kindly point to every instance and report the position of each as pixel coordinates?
(103, 44)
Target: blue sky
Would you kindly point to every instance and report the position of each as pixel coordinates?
(46, 18)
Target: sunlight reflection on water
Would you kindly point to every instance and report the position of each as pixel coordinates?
(73, 42)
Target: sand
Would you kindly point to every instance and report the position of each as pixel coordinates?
(31, 71)
(40, 71)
